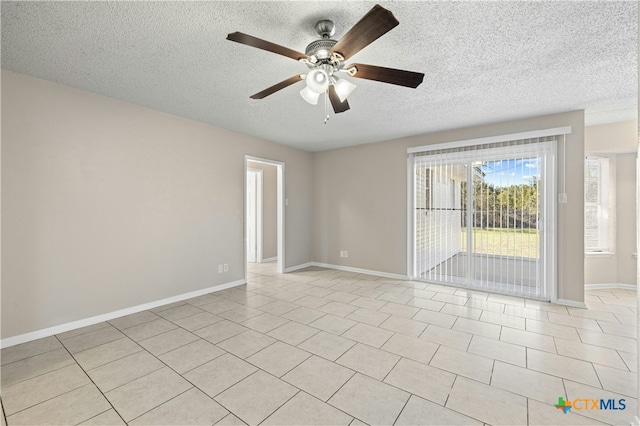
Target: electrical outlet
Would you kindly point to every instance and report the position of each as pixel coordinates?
(226, 267)
(346, 253)
(220, 268)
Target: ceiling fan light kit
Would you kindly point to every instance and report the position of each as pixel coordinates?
(310, 96)
(326, 58)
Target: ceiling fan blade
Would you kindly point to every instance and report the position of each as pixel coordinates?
(265, 45)
(377, 22)
(386, 75)
(278, 86)
(337, 105)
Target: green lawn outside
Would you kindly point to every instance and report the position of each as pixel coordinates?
(505, 242)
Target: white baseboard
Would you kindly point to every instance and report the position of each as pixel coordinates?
(269, 259)
(570, 303)
(361, 271)
(27, 337)
(610, 286)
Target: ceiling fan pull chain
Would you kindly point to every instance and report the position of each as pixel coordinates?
(326, 108)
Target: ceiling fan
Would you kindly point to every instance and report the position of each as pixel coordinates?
(326, 59)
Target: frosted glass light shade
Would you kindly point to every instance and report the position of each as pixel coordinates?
(317, 80)
(310, 96)
(344, 89)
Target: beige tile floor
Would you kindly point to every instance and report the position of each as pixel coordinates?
(321, 346)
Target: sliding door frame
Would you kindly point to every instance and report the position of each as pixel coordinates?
(548, 232)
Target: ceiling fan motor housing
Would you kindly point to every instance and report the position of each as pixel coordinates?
(320, 49)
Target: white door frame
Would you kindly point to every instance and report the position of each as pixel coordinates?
(280, 197)
(256, 193)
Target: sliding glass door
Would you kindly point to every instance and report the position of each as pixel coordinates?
(480, 216)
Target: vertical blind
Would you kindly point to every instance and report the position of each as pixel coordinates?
(479, 215)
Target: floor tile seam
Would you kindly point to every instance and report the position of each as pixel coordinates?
(318, 331)
(236, 335)
(328, 359)
(140, 349)
(354, 372)
(200, 328)
(498, 359)
(374, 347)
(457, 373)
(54, 397)
(617, 335)
(99, 414)
(402, 409)
(229, 387)
(544, 334)
(33, 356)
(609, 347)
(226, 338)
(428, 399)
(624, 361)
(48, 399)
(199, 365)
(288, 371)
(94, 346)
(245, 378)
(116, 359)
(578, 327)
(94, 384)
(453, 384)
(162, 403)
(193, 385)
(198, 306)
(327, 401)
(599, 363)
(564, 378)
(280, 406)
(4, 415)
(392, 368)
(72, 362)
(85, 332)
(494, 387)
(163, 308)
(130, 326)
(133, 380)
(165, 332)
(188, 316)
(576, 359)
(367, 375)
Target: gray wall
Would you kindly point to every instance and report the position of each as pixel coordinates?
(360, 200)
(108, 205)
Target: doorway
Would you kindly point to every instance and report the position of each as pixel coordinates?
(264, 212)
(254, 215)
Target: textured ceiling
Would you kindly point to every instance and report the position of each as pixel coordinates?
(483, 62)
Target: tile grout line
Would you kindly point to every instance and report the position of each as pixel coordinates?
(280, 406)
(32, 356)
(170, 399)
(91, 380)
(4, 415)
(188, 381)
(403, 407)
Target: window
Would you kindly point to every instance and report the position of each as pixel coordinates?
(597, 206)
